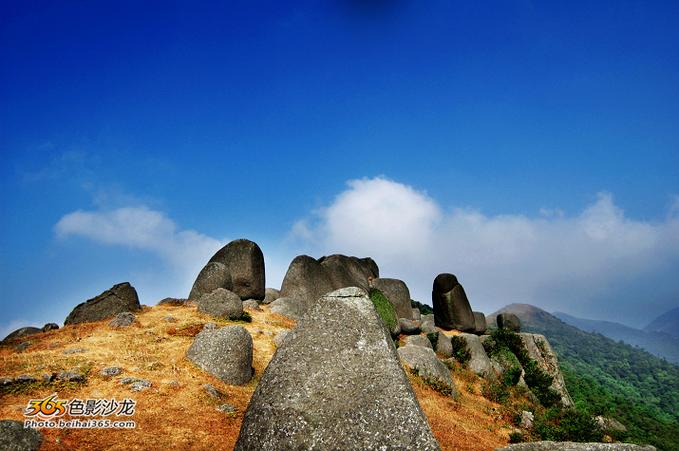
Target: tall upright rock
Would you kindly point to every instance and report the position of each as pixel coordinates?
(324, 390)
(541, 351)
(451, 306)
(237, 267)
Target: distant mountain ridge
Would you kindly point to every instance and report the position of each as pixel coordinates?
(667, 323)
(606, 377)
(661, 344)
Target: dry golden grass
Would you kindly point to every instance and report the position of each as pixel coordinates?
(176, 412)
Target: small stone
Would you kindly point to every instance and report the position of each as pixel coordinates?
(226, 408)
(212, 391)
(251, 304)
(70, 376)
(123, 319)
(127, 380)
(140, 385)
(111, 371)
(527, 419)
(170, 319)
(5, 381)
(25, 379)
(74, 351)
(47, 377)
(50, 326)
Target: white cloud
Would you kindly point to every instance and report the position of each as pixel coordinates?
(594, 263)
(186, 251)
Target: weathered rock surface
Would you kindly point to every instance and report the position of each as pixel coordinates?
(608, 424)
(120, 298)
(479, 323)
(221, 303)
(307, 279)
(444, 347)
(225, 353)
(323, 390)
(251, 304)
(123, 319)
(22, 332)
(398, 294)
(425, 363)
(213, 275)
(427, 325)
(541, 351)
(572, 446)
(479, 361)
(418, 340)
(509, 321)
(270, 295)
(14, 437)
(237, 267)
(416, 314)
(451, 306)
(409, 327)
(290, 307)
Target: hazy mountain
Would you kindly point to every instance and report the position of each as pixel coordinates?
(668, 323)
(658, 343)
(612, 378)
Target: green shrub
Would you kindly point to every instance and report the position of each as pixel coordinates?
(384, 308)
(423, 308)
(495, 391)
(515, 437)
(460, 351)
(567, 425)
(245, 317)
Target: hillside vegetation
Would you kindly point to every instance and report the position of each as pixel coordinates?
(613, 379)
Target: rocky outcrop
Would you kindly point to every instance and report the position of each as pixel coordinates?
(541, 351)
(237, 267)
(321, 393)
(270, 295)
(479, 361)
(307, 279)
(120, 298)
(451, 306)
(509, 321)
(225, 353)
(22, 332)
(14, 437)
(572, 446)
(398, 294)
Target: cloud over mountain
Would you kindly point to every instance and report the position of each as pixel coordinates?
(598, 262)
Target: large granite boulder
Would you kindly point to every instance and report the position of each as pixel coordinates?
(14, 437)
(480, 325)
(398, 294)
(451, 306)
(479, 361)
(270, 295)
(119, 298)
(424, 362)
(572, 446)
(541, 351)
(323, 389)
(509, 321)
(307, 279)
(225, 353)
(22, 332)
(237, 267)
(221, 303)
(213, 275)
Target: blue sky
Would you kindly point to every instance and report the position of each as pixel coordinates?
(531, 149)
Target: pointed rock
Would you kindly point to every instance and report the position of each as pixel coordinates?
(336, 383)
